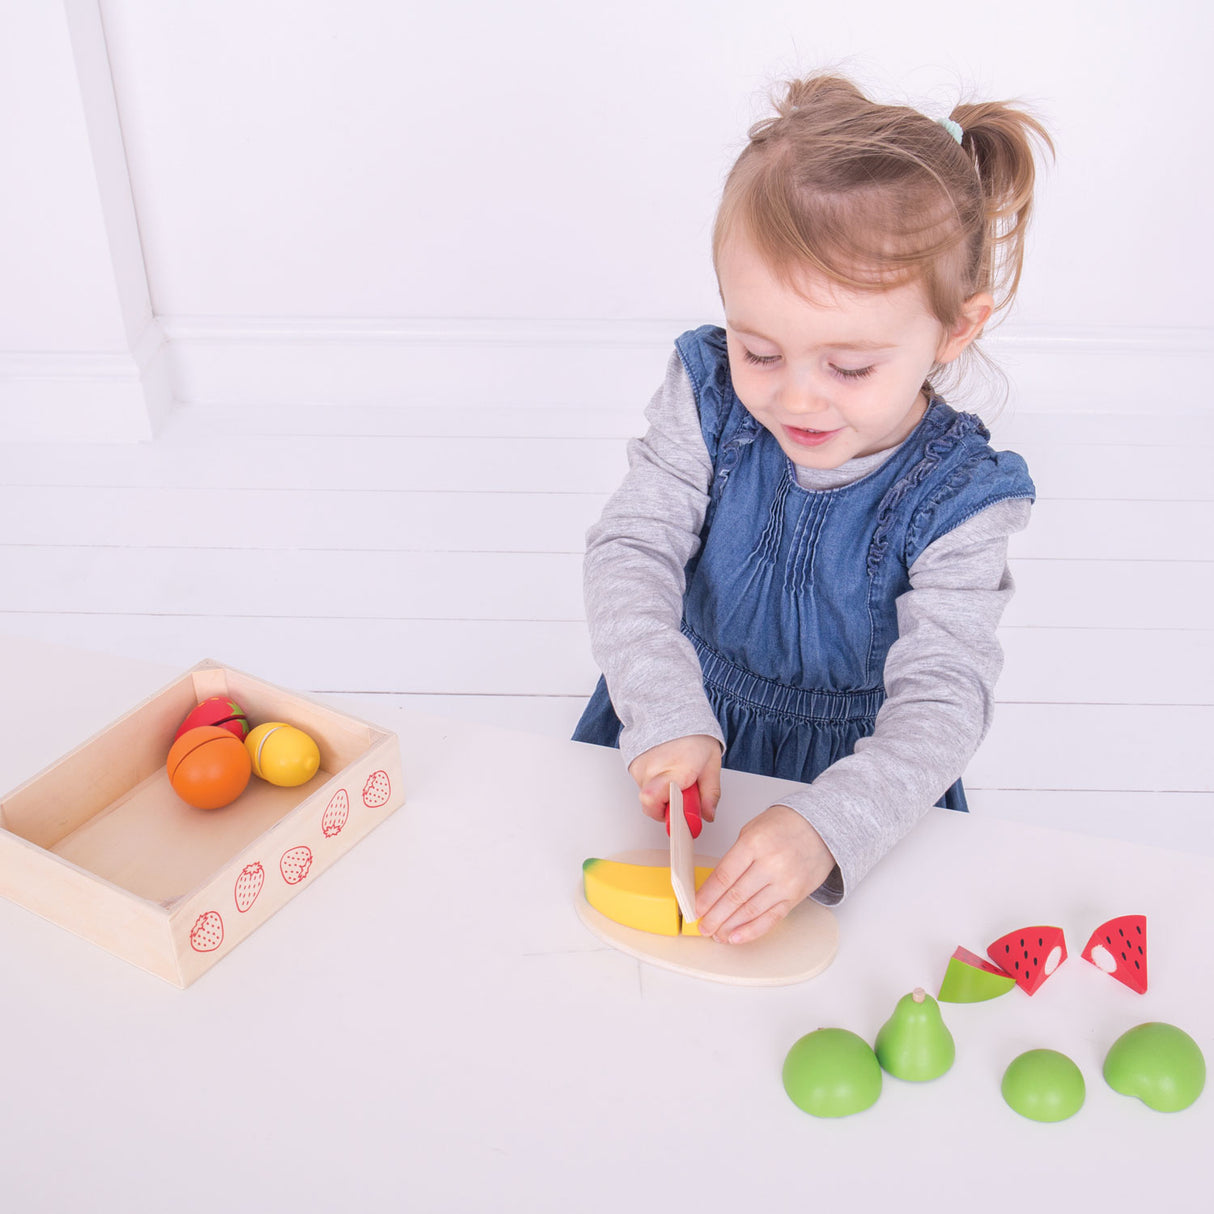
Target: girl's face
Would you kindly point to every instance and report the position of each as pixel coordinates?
(832, 373)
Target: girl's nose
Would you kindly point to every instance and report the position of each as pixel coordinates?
(802, 399)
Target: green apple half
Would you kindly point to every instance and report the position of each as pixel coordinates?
(1044, 1085)
(1159, 1063)
(832, 1073)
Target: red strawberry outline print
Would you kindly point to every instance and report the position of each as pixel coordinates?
(295, 863)
(248, 885)
(207, 933)
(377, 789)
(336, 814)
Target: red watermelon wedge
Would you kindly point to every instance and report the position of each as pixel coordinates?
(1029, 955)
(1119, 947)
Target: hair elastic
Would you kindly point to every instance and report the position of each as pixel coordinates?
(953, 128)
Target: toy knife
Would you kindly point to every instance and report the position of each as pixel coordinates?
(682, 854)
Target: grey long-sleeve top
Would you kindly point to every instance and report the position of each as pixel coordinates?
(939, 675)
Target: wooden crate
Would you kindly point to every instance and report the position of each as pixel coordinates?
(100, 844)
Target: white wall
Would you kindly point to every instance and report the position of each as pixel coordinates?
(334, 194)
(80, 352)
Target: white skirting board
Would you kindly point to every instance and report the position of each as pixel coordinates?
(69, 396)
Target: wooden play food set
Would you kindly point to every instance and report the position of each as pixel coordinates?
(101, 844)
(218, 710)
(282, 754)
(829, 1073)
(208, 767)
(638, 895)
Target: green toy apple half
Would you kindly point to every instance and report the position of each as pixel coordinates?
(832, 1073)
(1160, 1064)
(1044, 1085)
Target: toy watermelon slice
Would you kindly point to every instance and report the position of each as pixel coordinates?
(1029, 955)
(1119, 947)
(970, 979)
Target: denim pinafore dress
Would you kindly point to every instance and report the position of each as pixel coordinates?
(790, 601)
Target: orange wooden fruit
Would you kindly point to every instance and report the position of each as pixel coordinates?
(208, 767)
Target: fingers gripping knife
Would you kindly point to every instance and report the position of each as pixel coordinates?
(684, 807)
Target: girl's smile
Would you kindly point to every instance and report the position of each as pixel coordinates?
(833, 373)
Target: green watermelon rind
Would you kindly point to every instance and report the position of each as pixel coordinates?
(964, 983)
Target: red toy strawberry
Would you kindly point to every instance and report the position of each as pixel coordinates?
(1119, 947)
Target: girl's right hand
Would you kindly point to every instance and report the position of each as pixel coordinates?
(683, 761)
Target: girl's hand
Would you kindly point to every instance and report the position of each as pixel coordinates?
(684, 761)
(778, 861)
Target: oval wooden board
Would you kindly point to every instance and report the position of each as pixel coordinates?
(797, 948)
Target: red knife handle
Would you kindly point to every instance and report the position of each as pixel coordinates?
(691, 811)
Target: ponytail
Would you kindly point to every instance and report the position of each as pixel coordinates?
(1002, 141)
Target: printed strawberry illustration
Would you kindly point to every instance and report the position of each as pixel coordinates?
(295, 863)
(336, 813)
(207, 933)
(377, 790)
(248, 886)
(1119, 947)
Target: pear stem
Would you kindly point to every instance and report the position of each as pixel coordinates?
(918, 994)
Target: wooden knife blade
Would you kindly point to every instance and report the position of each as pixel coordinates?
(682, 857)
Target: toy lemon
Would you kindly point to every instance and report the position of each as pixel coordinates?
(282, 754)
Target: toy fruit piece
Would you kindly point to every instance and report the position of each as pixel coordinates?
(208, 767)
(637, 895)
(1160, 1064)
(832, 1073)
(1029, 955)
(217, 711)
(914, 1043)
(1044, 1085)
(970, 979)
(282, 754)
(1119, 947)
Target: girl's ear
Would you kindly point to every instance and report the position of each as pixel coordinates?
(975, 312)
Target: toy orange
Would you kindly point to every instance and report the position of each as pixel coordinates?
(208, 767)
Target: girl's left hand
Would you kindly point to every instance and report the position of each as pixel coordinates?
(777, 862)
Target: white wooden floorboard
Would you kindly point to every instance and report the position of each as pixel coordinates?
(404, 520)
(506, 586)
(431, 557)
(515, 464)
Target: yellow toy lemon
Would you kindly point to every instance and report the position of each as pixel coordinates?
(282, 754)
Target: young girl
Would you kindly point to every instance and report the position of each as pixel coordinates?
(803, 570)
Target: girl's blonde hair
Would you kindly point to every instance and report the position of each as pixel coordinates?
(872, 196)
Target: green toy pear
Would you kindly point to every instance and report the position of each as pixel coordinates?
(914, 1043)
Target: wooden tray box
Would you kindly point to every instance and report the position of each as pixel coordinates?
(100, 844)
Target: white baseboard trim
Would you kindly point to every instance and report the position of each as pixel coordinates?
(614, 363)
(87, 396)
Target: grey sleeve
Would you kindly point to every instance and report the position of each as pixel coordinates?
(939, 678)
(633, 575)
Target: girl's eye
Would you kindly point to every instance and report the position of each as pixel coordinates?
(762, 360)
(857, 373)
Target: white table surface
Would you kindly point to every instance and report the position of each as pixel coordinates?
(431, 1028)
